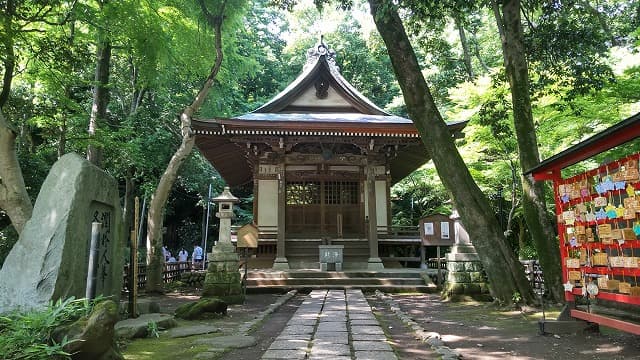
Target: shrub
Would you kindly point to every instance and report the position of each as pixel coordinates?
(27, 335)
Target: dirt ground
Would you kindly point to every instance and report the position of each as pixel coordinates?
(475, 330)
(479, 331)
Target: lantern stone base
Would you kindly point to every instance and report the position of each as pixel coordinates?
(465, 277)
(375, 264)
(281, 263)
(223, 279)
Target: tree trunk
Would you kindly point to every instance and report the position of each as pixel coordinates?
(522, 239)
(14, 198)
(506, 274)
(100, 97)
(160, 196)
(465, 47)
(533, 200)
(476, 51)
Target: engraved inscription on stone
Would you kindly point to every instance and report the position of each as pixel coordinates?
(103, 214)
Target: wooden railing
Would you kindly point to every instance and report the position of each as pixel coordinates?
(170, 273)
(533, 271)
(432, 263)
(398, 231)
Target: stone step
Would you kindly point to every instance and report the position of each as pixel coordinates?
(365, 288)
(332, 274)
(335, 281)
(389, 280)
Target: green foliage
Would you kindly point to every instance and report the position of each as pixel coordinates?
(418, 195)
(28, 335)
(516, 297)
(570, 41)
(152, 329)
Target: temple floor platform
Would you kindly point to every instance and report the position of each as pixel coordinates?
(386, 280)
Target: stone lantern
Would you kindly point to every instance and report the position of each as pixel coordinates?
(223, 279)
(225, 213)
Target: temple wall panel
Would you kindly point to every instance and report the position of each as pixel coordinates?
(268, 203)
(381, 203)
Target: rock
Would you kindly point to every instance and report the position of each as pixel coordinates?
(92, 337)
(202, 308)
(184, 331)
(224, 342)
(144, 306)
(139, 327)
(55, 241)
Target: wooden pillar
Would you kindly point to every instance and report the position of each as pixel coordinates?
(281, 262)
(374, 262)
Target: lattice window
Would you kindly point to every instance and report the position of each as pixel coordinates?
(341, 192)
(303, 193)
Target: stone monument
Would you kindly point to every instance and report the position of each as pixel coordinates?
(223, 279)
(51, 258)
(465, 273)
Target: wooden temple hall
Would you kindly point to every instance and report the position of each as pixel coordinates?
(322, 158)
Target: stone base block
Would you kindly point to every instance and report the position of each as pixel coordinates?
(281, 264)
(375, 264)
(563, 326)
(222, 285)
(330, 266)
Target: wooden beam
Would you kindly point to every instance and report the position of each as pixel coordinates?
(625, 326)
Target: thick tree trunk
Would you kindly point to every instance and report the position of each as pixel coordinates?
(465, 47)
(533, 201)
(14, 198)
(100, 97)
(160, 196)
(506, 274)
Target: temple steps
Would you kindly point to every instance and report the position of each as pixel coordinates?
(308, 248)
(393, 280)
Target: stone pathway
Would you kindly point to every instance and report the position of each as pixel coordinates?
(332, 324)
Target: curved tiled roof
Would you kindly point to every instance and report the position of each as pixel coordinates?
(319, 102)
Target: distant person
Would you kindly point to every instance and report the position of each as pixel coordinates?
(183, 255)
(171, 259)
(197, 255)
(165, 253)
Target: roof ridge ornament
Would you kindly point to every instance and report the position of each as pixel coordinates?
(322, 50)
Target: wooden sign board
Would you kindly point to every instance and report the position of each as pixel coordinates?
(247, 237)
(437, 230)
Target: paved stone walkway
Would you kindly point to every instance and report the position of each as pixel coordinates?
(332, 324)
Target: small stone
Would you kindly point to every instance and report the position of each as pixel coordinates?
(556, 336)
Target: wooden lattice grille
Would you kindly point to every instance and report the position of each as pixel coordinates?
(303, 193)
(324, 208)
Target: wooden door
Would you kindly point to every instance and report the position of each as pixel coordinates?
(324, 208)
